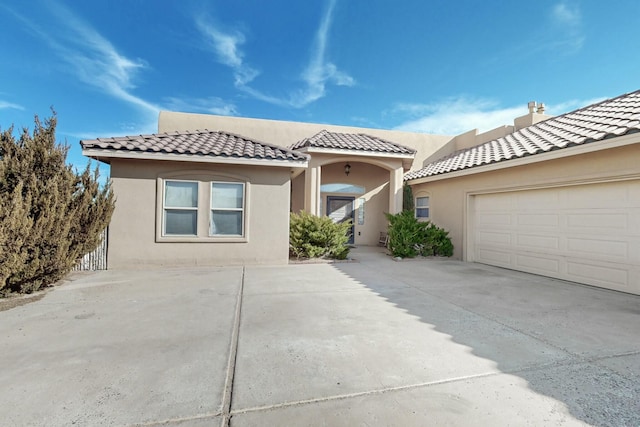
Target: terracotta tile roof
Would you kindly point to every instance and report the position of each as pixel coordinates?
(607, 119)
(352, 142)
(199, 143)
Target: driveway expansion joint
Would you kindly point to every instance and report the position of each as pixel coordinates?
(233, 352)
(172, 421)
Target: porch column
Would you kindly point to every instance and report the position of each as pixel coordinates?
(395, 190)
(312, 181)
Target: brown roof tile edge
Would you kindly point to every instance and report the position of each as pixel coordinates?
(105, 144)
(308, 142)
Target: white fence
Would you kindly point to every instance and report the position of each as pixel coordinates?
(96, 260)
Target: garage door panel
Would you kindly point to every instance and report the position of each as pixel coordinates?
(593, 247)
(495, 257)
(538, 242)
(586, 233)
(537, 200)
(489, 238)
(495, 218)
(588, 196)
(537, 264)
(495, 202)
(539, 220)
(616, 221)
(599, 275)
(634, 194)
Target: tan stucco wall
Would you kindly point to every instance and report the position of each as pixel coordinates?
(132, 232)
(285, 133)
(375, 180)
(448, 197)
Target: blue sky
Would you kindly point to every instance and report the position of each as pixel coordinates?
(440, 66)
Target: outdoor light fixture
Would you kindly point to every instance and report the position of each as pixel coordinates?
(347, 169)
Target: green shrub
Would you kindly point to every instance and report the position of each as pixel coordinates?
(50, 215)
(436, 241)
(405, 232)
(409, 237)
(312, 236)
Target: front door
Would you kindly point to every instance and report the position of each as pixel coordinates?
(340, 209)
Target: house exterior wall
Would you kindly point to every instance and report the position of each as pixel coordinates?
(449, 197)
(134, 239)
(285, 133)
(297, 193)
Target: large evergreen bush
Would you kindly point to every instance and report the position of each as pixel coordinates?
(409, 237)
(313, 236)
(50, 214)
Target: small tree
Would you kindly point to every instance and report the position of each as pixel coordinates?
(407, 198)
(50, 215)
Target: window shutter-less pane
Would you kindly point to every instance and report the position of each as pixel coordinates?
(422, 202)
(227, 195)
(227, 223)
(181, 194)
(181, 222)
(422, 207)
(422, 212)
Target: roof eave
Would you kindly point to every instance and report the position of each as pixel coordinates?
(104, 154)
(606, 144)
(366, 153)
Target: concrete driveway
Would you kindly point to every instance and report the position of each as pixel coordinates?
(374, 342)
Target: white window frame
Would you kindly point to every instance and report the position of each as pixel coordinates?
(219, 209)
(428, 207)
(165, 208)
(204, 178)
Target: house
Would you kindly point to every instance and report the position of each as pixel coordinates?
(207, 197)
(559, 198)
(197, 198)
(377, 159)
(553, 196)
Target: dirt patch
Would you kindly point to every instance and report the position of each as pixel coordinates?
(16, 301)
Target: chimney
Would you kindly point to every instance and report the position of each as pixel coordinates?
(535, 115)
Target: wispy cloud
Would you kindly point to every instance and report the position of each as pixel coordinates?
(319, 71)
(91, 57)
(211, 105)
(572, 104)
(453, 116)
(7, 105)
(567, 19)
(317, 74)
(96, 61)
(566, 14)
(456, 115)
(227, 49)
(115, 129)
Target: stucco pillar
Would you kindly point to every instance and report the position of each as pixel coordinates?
(312, 181)
(395, 190)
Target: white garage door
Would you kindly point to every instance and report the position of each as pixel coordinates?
(586, 233)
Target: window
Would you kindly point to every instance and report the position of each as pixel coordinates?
(202, 207)
(227, 209)
(180, 208)
(342, 188)
(422, 207)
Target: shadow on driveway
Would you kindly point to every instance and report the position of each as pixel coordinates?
(576, 344)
